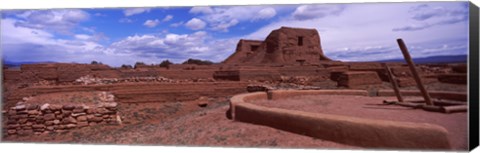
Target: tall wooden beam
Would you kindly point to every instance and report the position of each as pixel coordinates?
(394, 83)
(410, 63)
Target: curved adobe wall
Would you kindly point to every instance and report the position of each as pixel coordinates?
(281, 94)
(459, 96)
(355, 131)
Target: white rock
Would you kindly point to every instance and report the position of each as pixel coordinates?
(78, 114)
(44, 106)
(110, 105)
(20, 107)
(110, 98)
(119, 119)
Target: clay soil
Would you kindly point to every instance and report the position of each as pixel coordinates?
(181, 124)
(186, 124)
(77, 98)
(372, 107)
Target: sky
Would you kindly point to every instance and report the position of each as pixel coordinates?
(116, 36)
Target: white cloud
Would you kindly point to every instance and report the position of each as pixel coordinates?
(348, 35)
(201, 9)
(307, 12)
(177, 24)
(83, 36)
(167, 18)
(425, 16)
(176, 47)
(29, 44)
(195, 24)
(125, 20)
(225, 25)
(22, 44)
(351, 30)
(11, 33)
(265, 13)
(151, 23)
(60, 21)
(134, 11)
(222, 18)
(413, 27)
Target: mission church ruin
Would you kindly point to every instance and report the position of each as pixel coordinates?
(282, 46)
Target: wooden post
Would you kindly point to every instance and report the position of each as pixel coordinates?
(457, 108)
(410, 63)
(394, 83)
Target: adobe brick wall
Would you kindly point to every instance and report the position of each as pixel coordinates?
(144, 92)
(187, 74)
(355, 131)
(354, 79)
(455, 78)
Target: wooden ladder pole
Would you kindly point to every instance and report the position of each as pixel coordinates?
(394, 83)
(410, 63)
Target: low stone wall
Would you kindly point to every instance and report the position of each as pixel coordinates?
(29, 119)
(370, 133)
(143, 92)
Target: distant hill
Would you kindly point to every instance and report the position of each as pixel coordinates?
(433, 59)
(17, 64)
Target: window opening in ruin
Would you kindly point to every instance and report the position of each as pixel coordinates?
(301, 61)
(300, 41)
(253, 47)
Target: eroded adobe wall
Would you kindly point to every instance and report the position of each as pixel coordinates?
(244, 50)
(282, 46)
(287, 45)
(143, 92)
(11, 75)
(61, 72)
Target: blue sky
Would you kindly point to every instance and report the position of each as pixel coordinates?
(116, 36)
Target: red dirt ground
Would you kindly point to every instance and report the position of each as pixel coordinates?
(372, 107)
(182, 124)
(186, 124)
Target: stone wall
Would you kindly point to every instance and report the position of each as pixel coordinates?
(28, 119)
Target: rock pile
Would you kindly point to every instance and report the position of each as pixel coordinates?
(87, 80)
(301, 80)
(27, 119)
(45, 83)
(90, 80)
